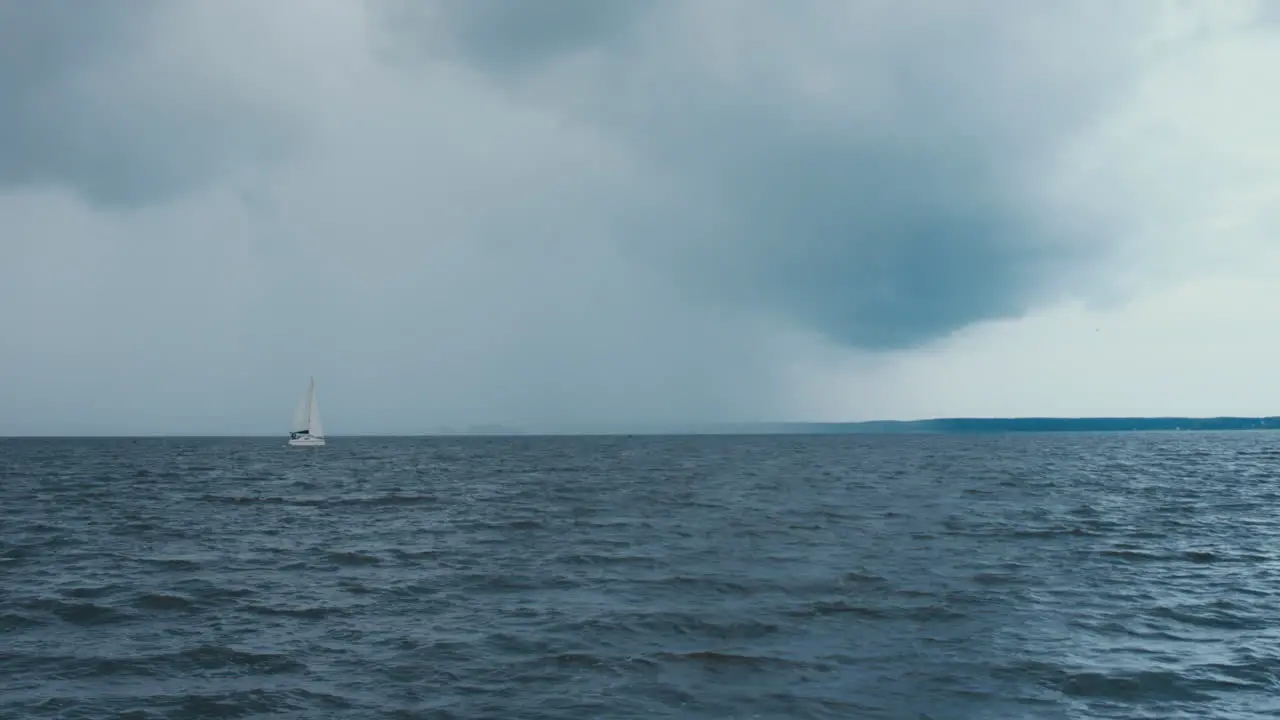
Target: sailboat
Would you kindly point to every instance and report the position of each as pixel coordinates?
(307, 430)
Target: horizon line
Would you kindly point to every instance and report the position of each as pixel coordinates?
(763, 427)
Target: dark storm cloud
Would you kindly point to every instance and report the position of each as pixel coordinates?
(886, 208)
(84, 107)
(545, 213)
(518, 35)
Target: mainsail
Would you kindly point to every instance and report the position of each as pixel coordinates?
(302, 416)
(314, 427)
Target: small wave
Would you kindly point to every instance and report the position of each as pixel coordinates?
(241, 499)
(715, 658)
(1200, 556)
(1134, 686)
(81, 613)
(844, 608)
(366, 500)
(571, 659)
(355, 588)
(1208, 556)
(248, 703)
(918, 613)
(204, 658)
(208, 593)
(862, 578)
(163, 601)
(390, 499)
(993, 579)
(1221, 615)
(1052, 532)
(28, 551)
(499, 582)
(1142, 686)
(1129, 555)
(14, 621)
(352, 558)
(523, 524)
(687, 583)
(403, 554)
(1251, 669)
(304, 613)
(217, 657)
(92, 592)
(694, 627)
(173, 564)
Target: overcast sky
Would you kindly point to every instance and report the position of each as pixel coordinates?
(575, 211)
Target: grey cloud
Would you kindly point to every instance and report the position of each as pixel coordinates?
(885, 212)
(615, 214)
(85, 108)
(510, 37)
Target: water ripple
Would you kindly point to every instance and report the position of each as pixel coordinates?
(1032, 576)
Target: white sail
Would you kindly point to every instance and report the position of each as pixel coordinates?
(313, 416)
(302, 416)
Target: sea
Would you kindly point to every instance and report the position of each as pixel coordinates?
(930, 576)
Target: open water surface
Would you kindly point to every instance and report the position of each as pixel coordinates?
(933, 576)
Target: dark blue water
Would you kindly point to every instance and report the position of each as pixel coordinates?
(1017, 576)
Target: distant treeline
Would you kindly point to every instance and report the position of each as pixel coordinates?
(940, 425)
(999, 425)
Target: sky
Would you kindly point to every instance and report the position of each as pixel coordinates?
(574, 213)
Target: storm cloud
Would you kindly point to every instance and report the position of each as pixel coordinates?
(869, 168)
(560, 212)
(98, 97)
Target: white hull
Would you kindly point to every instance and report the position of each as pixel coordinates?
(306, 442)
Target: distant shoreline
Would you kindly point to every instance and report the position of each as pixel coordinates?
(1029, 424)
(869, 427)
(950, 426)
